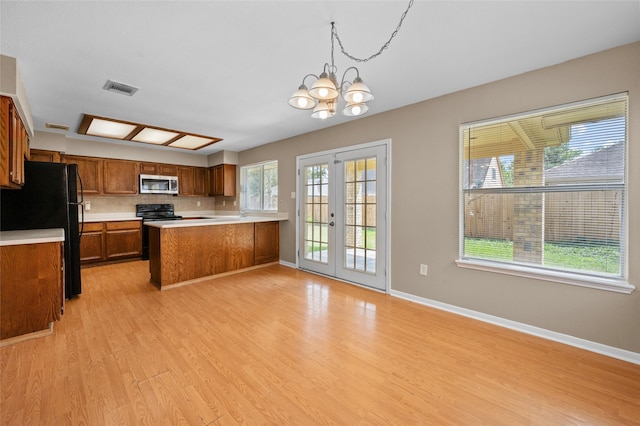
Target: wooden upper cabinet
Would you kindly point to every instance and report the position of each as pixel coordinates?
(120, 177)
(222, 180)
(167, 170)
(14, 141)
(185, 180)
(90, 171)
(200, 181)
(44, 156)
(149, 168)
(5, 162)
(159, 169)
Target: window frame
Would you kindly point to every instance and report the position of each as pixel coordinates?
(243, 187)
(592, 280)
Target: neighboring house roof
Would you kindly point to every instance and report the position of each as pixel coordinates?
(605, 164)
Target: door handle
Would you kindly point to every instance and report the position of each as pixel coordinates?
(332, 223)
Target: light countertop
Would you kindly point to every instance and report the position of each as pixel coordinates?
(204, 220)
(31, 236)
(118, 216)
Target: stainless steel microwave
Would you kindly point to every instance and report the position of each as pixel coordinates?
(154, 184)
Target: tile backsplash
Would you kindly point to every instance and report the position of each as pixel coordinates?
(102, 204)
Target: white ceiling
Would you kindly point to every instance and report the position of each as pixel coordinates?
(227, 68)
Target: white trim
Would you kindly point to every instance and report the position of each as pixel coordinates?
(610, 351)
(528, 114)
(288, 264)
(590, 281)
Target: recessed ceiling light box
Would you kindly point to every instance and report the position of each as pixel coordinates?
(127, 131)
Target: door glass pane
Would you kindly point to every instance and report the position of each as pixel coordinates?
(316, 192)
(359, 212)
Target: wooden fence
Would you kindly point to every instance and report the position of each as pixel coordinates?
(569, 216)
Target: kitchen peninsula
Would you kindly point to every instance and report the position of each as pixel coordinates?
(187, 251)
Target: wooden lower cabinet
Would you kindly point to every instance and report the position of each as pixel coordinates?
(31, 294)
(123, 239)
(108, 241)
(92, 242)
(267, 242)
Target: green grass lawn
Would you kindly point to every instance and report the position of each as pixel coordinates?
(595, 258)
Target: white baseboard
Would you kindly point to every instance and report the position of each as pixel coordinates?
(588, 345)
(288, 264)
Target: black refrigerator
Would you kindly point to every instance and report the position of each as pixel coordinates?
(49, 199)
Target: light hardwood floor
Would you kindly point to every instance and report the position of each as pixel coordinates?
(280, 346)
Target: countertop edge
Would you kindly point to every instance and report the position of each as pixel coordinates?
(31, 236)
(279, 217)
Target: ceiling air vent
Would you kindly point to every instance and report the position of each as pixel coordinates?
(57, 126)
(124, 89)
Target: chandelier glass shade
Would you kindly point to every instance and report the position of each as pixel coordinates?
(323, 95)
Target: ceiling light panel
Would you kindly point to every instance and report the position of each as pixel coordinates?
(154, 136)
(110, 129)
(192, 142)
(135, 132)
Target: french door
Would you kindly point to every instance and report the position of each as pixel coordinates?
(342, 215)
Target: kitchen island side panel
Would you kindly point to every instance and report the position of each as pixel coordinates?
(181, 254)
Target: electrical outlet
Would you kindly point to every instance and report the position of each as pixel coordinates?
(423, 269)
(223, 202)
(197, 203)
(293, 195)
(87, 205)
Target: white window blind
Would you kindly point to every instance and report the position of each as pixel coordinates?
(544, 193)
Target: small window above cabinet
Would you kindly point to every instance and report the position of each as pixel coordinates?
(222, 180)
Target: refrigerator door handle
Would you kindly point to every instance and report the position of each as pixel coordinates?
(81, 205)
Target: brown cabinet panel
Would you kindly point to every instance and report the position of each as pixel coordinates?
(267, 242)
(185, 180)
(44, 156)
(149, 168)
(92, 246)
(31, 288)
(200, 181)
(222, 181)
(167, 170)
(123, 224)
(5, 161)
(90, 171)
(123, 243)
(104, 241)
(14, 145)
(120, 177)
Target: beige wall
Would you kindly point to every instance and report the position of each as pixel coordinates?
(424, 226)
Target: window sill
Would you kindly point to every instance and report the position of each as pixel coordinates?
(600, 283)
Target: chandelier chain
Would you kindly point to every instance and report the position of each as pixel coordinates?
(334, 33)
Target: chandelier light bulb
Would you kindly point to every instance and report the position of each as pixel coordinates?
(356, 110)
(323, 92)
(302, 102)
(358, 97)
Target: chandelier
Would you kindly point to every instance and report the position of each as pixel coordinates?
(323, 95)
